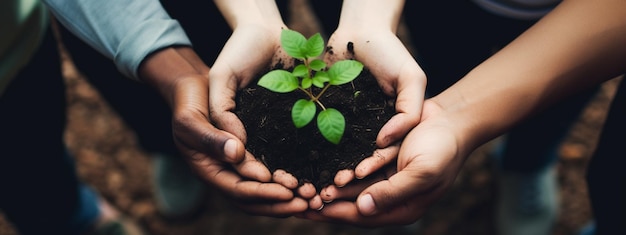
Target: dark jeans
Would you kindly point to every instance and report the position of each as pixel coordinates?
(39, 189)
(606, 180)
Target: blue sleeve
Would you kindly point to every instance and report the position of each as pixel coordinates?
(124, 31)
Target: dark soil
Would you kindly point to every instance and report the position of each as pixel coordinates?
(303, 152)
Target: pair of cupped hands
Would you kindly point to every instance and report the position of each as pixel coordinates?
(412, 167)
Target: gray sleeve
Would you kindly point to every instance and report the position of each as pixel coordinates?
(125, 31)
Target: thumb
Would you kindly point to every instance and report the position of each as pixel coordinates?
(388, 194)
(226, 145)
(222, 93)
(409, 91)
(195, 134)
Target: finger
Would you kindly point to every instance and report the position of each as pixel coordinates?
(192, 129)
(222, 93)
(343, 177)
(379, 159)
(402, 186)
(332, 193)
(346, 209)
(279, 209)
(349, 191)
(369, 165)
(282, 177)
(251, 168)
(233, 184)
(347, 212)
(316, 203)
(307, 191)
(411, 86)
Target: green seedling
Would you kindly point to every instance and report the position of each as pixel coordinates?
(311, 72)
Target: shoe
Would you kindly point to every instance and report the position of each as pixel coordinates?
(179, 193)
(112, 222)
(527, 203)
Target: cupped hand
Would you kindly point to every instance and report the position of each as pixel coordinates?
(216, 156)
(429, 160)
(251, 50)
(398, 75)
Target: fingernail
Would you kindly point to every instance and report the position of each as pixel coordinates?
(230, 149)
(321, 207)
(366, 205)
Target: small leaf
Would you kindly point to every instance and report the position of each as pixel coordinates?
(314, 46)
(317, 65)
(320, 78)
(303, 112)
(280, 81)
(293, 43)
(300, 71)
(306, 83)
(331, 124)
(344, 71)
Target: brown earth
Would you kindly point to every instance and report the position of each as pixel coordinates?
(109, 158)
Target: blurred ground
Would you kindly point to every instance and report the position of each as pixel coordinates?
(109, 159)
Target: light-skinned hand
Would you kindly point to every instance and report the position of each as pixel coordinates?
(398, 194)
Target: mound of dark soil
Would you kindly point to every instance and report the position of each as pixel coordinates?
(303, 152)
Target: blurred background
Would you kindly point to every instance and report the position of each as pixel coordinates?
(109, 158)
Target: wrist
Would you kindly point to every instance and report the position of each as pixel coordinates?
(262, 13)
(371, 15)
(471, 125)
(163, 68)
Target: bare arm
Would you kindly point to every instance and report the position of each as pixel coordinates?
(579, 44)
(238, 13)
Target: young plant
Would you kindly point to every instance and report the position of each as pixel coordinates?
(312, 72)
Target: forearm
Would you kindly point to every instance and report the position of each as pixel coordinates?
(124, 31)
(165, 69)
(366, 15)
(242, 12)
(578, 45)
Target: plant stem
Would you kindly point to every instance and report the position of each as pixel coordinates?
(309, 92)
(322, 92)
(314, 98)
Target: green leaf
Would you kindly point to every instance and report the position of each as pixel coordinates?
(280, 81)
(303, 112)
(306, 83)
(300, 71)
(331, 124)
(344, 71)
(317, 65)
(320, 78)
(314, 46)
(293, 43)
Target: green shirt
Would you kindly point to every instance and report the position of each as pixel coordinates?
(22, 25)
